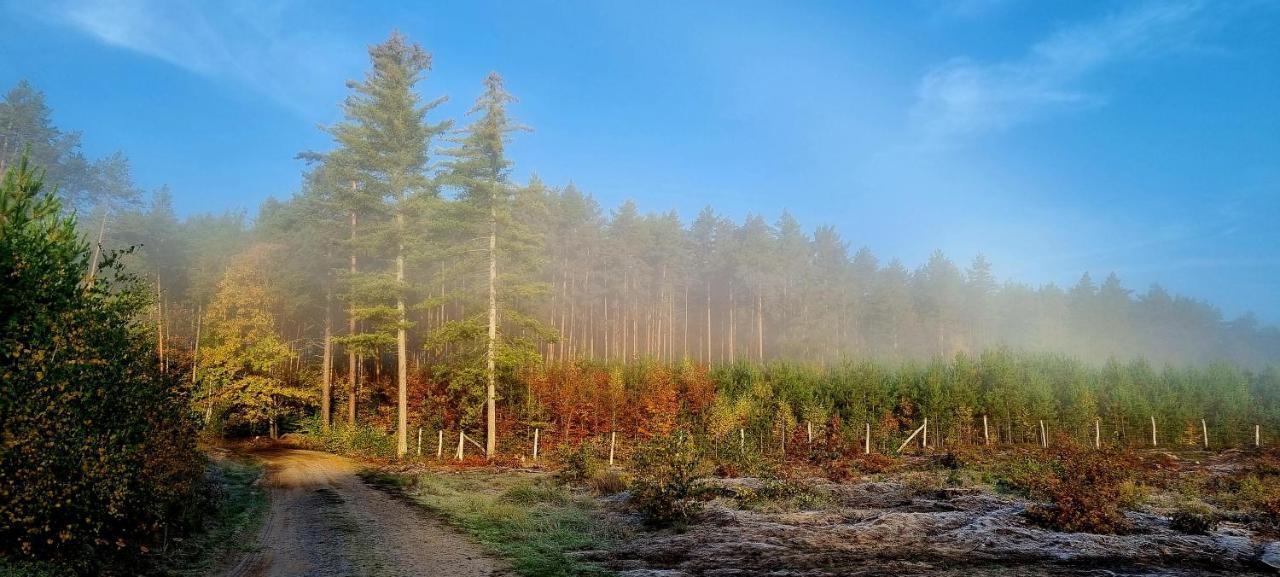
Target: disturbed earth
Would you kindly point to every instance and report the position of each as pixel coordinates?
(883, 528)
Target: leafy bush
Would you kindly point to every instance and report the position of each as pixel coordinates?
(578, 463)
(1194, 517)
(785, 494)
(99, 458)
(748, 463)
(873, 464)
(361, 440)
(1085, 487)
(668, 491)
(923, 483)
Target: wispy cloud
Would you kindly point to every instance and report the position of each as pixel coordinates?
(964, 97)
(257, 45)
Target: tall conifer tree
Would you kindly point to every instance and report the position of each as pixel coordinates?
(387, 136)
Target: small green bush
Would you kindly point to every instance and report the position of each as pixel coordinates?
(784, 494)
(669, 490)
(578, 463)
(923, 483)
(360, 440)
(1194, 517)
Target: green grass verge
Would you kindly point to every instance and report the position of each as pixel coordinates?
(533, 522)
(13, 568)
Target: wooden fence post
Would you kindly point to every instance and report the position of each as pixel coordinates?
(1204, 428)
(1097, 432)
(440, 445)
(1257, 435)
(986, 436)
(535, 444)
(1044, 437)
(913, 435)
(613, 435)
(866, 447)
(419, 441)
(1154, 443)
(924, 440)
(461, 439)
(742, 441)
(809, 427)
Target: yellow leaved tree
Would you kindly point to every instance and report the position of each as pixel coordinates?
(243, 365)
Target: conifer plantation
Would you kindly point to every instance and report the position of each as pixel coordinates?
(417, 303)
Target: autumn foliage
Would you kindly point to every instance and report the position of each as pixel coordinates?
(97, 448)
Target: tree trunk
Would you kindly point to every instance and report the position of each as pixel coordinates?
(351, 331)
(759, 326)
(733, 303)
(402, 367)
(708, 347)
(326, 381)
(491, 416)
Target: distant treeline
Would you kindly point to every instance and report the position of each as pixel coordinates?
(408, 248)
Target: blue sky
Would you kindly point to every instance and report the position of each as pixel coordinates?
(1136, 137)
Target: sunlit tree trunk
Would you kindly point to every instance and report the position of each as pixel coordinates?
(326, 383)
(352, 365)
(402, 365)
(759, 326)
(491, 413)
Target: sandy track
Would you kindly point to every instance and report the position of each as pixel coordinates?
(324, 521)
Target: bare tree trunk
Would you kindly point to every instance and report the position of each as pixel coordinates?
(159, 324)
(708, 347)
(491, 414)
(684, 349)
(402, 368)
(195, 350)
(97, 249)
(733, 303)
(352, 365)
(759, 326)
(326, 381)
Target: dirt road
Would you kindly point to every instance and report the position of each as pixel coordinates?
(324, 521)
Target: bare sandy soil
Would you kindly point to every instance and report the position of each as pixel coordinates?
(323, 521)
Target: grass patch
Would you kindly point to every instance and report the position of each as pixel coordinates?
(23, 568)
(535, 523)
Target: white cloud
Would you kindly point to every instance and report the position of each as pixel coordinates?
(255, 44)
(963, 97)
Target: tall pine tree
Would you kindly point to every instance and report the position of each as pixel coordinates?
(387, 137)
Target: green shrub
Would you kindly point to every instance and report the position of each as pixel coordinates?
(98, 460)
(578, 463)
(1194, 517)
(785, 494)
(668, 491)
(923, 483)
(360, 440)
